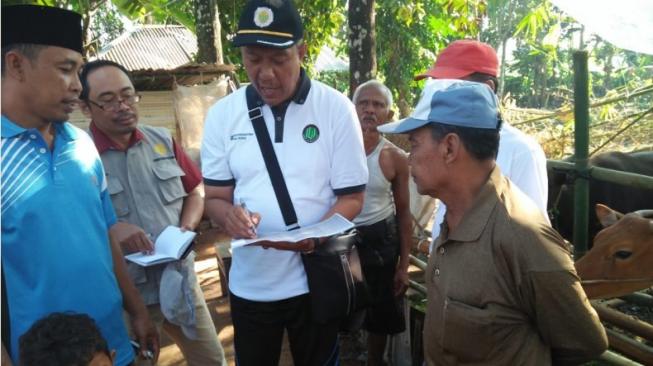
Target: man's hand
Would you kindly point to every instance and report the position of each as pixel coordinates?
(184, 228)
(304, 246)
(241, 223)
(131, 238)
(146, 335)
(401, 281)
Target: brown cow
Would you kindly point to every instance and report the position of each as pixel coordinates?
(621, 260)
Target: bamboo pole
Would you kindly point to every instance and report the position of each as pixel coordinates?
(417, 262)
(608, 175)
(639, 298)
(581, 148)
(646, 90)
(617, 359)
(630, 347)
(625, 322)
(417, 286)
(622, 130)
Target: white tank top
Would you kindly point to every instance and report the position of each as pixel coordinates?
(378, 202)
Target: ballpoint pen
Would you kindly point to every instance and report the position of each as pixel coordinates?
(147, 354)
(249, 213)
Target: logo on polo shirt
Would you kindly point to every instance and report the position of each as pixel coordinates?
(263, 16)
(311, 133)
(240, 136)
(160, 149)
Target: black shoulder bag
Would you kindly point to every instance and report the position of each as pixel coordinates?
(335, 278)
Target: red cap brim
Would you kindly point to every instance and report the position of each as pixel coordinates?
(443, 73)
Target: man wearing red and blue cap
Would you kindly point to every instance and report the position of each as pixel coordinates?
(501, 285)
(56, 210)
(520, 156)
(314, 133)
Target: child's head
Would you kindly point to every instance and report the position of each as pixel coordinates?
(64, 340)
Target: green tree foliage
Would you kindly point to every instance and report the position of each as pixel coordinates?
(322, 19)
(101, 20)
(158, 11)
(498, 27)
(540, 72)
(105, 26)
(409, 34)
(533, 38)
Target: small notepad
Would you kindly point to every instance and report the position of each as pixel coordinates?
(169, 246)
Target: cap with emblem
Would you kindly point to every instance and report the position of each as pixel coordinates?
(269, 23)
(451, 102)
(33, 24)
(463, 58)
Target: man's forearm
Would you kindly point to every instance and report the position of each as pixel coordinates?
(132, 301)
(405, 239)
(216, 209)
(401, 194)
(142, 327)
(348, 205)
(405, 226)
(192, 210)
(565, 319)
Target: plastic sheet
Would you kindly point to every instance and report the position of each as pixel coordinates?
(627, 24)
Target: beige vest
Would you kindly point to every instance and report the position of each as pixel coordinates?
(146, 190)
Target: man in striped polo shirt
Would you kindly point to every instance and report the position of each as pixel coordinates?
(56, 211)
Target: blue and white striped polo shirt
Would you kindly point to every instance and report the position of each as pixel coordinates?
(55, 250)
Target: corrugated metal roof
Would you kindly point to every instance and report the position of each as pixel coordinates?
(156, 47)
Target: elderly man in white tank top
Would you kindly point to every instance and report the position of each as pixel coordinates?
(384, 224)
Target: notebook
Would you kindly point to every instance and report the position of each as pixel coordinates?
(171, 245)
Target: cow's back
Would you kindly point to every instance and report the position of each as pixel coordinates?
(620, 197)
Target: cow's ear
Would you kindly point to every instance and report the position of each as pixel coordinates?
(606, 215)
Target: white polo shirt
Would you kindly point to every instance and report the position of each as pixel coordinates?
(522, 160)
(316, 168)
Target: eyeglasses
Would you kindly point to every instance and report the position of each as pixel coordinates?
(115, 104)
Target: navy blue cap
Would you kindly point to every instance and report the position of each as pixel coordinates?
(451, 102)
(44, 25)
(269, 23)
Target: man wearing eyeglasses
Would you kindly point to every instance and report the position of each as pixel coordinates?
(152, 184)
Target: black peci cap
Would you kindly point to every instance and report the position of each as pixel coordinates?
(269, 23)
(42, 25)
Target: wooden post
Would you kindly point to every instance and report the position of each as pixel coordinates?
(581, 147)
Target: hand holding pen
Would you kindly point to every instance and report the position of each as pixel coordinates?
(252, 218)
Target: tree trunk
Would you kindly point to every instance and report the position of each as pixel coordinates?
(89, 48)
(87, 10)
(607, 69)
(362, 43)
(502, 72)
(207, 29)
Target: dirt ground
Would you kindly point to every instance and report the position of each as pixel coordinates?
(207, 273)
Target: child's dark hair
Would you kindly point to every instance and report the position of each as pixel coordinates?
(62, 339)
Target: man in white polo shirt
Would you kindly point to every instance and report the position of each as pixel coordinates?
(318, 143)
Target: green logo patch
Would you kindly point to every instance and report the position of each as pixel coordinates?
(311, 133)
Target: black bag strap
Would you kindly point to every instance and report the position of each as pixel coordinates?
(270, 158)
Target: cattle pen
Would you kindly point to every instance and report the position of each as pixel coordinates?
(631, 351)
